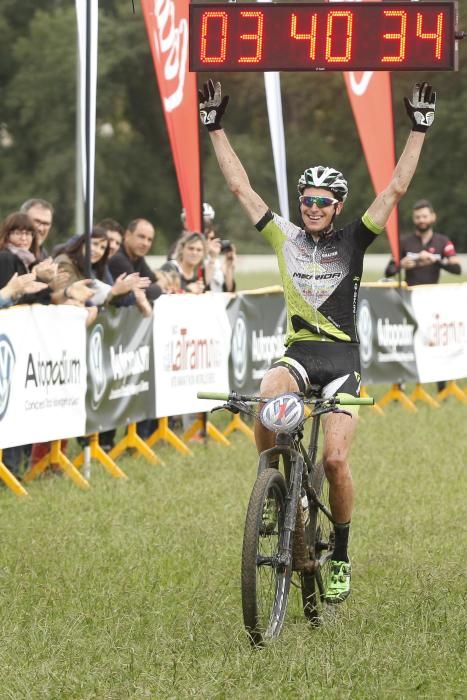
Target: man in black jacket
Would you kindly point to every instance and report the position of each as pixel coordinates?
(137, 243)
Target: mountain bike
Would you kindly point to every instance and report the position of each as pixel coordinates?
(288, 526)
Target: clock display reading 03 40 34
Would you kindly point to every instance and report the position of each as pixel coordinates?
(310, 36)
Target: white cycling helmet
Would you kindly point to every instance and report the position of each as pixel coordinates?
(327, 178)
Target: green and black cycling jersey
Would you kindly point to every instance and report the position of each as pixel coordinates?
(320, 280)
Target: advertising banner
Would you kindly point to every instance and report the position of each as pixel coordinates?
(259, 324)
(386, 328)
(191, 350)
(120, 370)
(42, 374)
(441, 336)
(167, 28)
(136, 368)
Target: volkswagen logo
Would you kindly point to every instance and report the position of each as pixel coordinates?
(283, 413)
(365, 332)
(96, 365)
(7, 364)
(239, 350)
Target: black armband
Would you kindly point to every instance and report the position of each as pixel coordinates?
(454, 268)
(264, 220)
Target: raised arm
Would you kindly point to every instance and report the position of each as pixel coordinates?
(211, 108)
(421, 111)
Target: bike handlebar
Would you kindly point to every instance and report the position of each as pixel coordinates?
(341, 400)
(356, 401)
(213, 395)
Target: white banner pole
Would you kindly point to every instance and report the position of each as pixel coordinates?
(272, 83)
(87, 23)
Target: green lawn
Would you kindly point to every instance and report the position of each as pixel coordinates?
(131, 590)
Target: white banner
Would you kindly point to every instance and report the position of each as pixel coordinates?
(441, 337)
(42, 374)
(191, 351)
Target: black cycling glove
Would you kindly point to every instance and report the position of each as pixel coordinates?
(422, 108)
(212, 105)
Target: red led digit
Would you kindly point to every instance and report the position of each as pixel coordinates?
(436, 36)
(258, 37)
(400, 36)
(207, 18)
(311, 37)
(348, 36)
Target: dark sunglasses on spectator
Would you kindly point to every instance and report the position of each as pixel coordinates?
(321, 202)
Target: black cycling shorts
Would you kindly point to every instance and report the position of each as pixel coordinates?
(327, 367)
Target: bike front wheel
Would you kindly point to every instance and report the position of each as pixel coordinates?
(265, 579)
(319, 535)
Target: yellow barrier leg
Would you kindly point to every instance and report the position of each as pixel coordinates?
(420, 394)
(365, 395)
(101, 456)
(10, 480)
(163, 432)
(38, 468)
(216, 434)
(452, 389)
(193, 429)
(237, 423)
(211, 430)
(56, 457)
(133, 440)
(395, 393)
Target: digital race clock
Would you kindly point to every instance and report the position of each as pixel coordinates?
(309, 36)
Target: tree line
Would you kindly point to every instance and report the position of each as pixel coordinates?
(134, 169)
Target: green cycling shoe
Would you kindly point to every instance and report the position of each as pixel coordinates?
(338, 585)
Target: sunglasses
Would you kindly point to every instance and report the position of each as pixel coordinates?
(321, 202)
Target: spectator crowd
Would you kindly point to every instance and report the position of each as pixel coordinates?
(107, 268)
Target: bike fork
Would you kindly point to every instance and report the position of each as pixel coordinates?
(293, 496)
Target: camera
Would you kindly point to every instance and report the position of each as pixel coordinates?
(226, 247)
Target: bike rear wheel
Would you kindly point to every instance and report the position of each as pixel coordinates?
(265, 582)
(319, 534)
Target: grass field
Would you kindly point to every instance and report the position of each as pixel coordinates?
(131, 590)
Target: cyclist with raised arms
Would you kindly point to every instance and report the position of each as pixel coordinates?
(321, 269)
